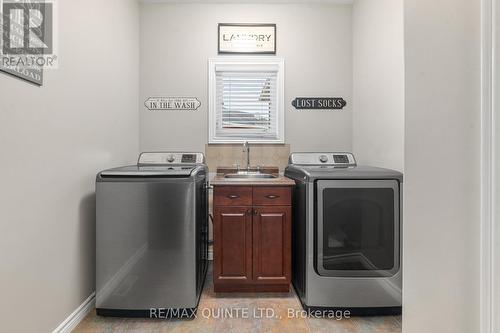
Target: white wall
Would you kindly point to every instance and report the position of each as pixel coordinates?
(494, 155)
(378, 94)
(53, 141)
(442, 170)
(315, 41)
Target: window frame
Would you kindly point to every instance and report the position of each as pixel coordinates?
(212, 98)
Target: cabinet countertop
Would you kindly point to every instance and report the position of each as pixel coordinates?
(219, 180)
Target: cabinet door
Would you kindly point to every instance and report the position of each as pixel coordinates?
(272, 244)
(232, 244)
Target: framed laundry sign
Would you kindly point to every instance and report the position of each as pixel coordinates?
(245, 38)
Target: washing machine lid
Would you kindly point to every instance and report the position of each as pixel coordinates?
(149, 171)
(159, 164)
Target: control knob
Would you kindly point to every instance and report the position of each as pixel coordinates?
(323, 158)
(170, 158)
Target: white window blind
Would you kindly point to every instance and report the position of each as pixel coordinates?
(246, 104)
(246, 101)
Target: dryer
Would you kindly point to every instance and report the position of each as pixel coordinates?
(346, 234)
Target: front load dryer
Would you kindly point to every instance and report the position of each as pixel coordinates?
(346, 234)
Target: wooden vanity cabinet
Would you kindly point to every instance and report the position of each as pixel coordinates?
(232, 245)
(252, 238)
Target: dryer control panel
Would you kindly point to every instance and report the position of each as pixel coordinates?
(329, 159)
(165, 158)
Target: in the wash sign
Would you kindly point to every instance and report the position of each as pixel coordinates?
(172, 103)
(247, 38)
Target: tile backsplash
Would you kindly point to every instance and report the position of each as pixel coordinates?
(221, 155)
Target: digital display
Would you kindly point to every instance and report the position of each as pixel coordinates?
(341, 159)
(188, 158)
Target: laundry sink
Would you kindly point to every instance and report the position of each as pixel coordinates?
(249, 175)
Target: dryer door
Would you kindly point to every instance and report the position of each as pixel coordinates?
(358, 228)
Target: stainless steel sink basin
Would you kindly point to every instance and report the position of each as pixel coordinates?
(249, 175)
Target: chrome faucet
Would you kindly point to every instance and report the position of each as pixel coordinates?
(246, 147)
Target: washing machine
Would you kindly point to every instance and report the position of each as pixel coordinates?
(152, 236)
(346, 234)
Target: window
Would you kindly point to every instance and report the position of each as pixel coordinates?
(246, 100)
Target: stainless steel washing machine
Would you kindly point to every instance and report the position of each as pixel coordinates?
(152, 236)
(346, 234)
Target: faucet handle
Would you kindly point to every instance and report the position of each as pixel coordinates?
(237, 166)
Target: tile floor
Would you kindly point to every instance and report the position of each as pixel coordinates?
(215, 311)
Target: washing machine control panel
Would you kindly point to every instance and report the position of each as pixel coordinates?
(329, 159)
(323, 158)
(165, 158)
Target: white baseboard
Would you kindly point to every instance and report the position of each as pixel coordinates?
(77, 316)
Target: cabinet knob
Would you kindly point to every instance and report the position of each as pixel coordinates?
(233, 196)
(272, 196)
